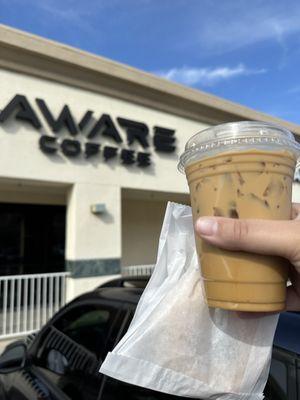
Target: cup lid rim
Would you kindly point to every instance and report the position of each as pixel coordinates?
(236, 134)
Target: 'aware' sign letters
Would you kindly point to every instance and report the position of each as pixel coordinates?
(89, 130)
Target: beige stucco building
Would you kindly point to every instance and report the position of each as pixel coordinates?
(102, 206)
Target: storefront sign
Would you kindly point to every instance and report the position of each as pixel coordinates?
(88, 130)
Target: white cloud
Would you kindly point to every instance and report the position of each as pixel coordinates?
(68, 10)
(293, 90)
(236, 24)
(206, 76)
(63, 13)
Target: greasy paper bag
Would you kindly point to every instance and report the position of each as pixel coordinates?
(176, 344)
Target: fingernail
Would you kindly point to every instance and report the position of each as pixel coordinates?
(206, 226)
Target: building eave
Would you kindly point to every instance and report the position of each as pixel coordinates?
(33, 55)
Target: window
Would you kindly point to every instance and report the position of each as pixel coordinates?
(276, 387)
(87, 326)
(117, 390)
(278, 372)
(11, 225)
(32, 238)
(70, 352)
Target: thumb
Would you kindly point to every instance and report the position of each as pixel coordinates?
(279, 238)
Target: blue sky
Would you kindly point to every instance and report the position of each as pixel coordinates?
(244, 51)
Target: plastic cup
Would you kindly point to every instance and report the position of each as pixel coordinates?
(241, 170)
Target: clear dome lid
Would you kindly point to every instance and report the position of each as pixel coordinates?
(236, 136)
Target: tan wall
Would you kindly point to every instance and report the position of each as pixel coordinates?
(93, 236)
(88, 237)
(13, 191)
(141, 225)
(20, 156)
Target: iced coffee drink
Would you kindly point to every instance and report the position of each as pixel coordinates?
(243, 181)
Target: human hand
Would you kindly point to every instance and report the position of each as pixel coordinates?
(269, 237)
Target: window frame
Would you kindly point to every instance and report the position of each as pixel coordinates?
(289, 359)
(117, 309)
(129, 313)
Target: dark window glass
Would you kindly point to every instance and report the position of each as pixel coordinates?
(32, 238)
(11, 236)
(72, 349)
(277, 385)
(87, 326)
(117, 390)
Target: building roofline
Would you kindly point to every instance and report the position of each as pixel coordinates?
(30, 54)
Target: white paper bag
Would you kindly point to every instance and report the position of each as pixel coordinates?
(176, 344)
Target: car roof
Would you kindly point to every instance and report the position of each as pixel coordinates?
(118, 294)
(287, 332)
(128, 294)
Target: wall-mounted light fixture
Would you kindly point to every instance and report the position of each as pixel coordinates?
(99, 208)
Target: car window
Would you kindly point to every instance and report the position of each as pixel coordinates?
(72, 348)
(88, 326)
(282, 382)
(117, 390)
(277, 385)
(279, 373)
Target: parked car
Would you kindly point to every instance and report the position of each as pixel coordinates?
(61, 362)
